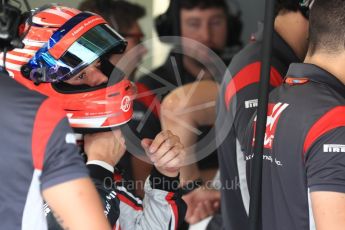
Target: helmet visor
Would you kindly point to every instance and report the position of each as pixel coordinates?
(96, 43)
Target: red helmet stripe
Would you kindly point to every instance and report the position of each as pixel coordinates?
(16, 61)
(23, 52)
(12, 66)
(15, 57)
(56, 22)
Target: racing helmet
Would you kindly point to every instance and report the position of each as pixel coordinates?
(60, 43)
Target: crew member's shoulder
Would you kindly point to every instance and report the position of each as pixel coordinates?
(249, 54)
(22, 98)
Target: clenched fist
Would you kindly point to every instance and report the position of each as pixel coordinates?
(166, 152)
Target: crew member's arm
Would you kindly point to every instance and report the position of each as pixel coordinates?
(329, 210)
(103, 150)
(325, 163)
(183, 111)
(76, 205)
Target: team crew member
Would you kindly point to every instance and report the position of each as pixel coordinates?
(303, 158)
(238, 101)
(45, 164)
(208, 22)
(71, 65)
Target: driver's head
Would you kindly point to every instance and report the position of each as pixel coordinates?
(66, 56)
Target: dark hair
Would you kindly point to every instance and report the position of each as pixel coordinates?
(202, 4)
(327, 26)
(119, 14)
(286, 5)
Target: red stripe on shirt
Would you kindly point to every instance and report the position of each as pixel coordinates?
(148, 98)
(173, 205)
(47, 117)
(331, 120)
(127, 201)
(247, 76)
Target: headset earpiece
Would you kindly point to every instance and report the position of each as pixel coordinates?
(234, 30)
(163, 23)
(21, 33)
(305, 6)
